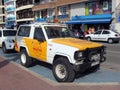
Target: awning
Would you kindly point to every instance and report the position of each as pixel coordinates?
(92, 19)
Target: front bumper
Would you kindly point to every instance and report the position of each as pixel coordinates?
(10, 46)
(87, 65)
(93, 57)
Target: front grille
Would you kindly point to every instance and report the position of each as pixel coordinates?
(90, 52)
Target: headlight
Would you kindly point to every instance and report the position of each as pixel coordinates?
(10, 40)
(79, 55)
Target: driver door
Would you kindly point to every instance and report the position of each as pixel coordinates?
(39, 47)
(96, 36)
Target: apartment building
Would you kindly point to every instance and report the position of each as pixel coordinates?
(24, 13)
(10, 11)
(2, 14)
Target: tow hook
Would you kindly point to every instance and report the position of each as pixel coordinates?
(103, 59)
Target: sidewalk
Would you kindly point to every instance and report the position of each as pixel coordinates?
(16, 77)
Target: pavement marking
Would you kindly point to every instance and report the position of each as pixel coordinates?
(112, 51)
(89, 84)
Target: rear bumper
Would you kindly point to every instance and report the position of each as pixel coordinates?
(116, 39)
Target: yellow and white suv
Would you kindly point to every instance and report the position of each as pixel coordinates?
(55, 44)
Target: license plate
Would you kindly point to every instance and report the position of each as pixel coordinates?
(95, 63)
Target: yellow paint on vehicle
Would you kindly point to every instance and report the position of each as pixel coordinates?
(36, 48)
(77, 43)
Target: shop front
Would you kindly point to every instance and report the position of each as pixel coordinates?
(97, 15)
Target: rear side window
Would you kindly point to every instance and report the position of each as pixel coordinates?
(9, 32)
(24, 31)
(98, 32)
(106, 32)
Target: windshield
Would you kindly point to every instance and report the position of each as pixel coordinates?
(9, 33)
(58, 32)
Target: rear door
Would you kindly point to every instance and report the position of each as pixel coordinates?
(105, 35)
(24, 31)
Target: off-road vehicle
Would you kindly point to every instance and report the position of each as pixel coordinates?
(55, 44)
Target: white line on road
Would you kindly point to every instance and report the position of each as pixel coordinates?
(112, 51)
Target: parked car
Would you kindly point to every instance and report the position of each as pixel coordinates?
(109, 36)
(7, 37)
(55, 44)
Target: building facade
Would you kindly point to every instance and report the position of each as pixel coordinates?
(10, 11)
(54, 10)
(2, 14)
(24, 13)
(97, 13)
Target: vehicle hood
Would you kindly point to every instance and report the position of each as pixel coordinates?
(77, 43)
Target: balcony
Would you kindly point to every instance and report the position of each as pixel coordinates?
(24, 7)
(42, 1)
(40, 19)
(8, 1)
(25, 15)
(11, 19)
(10, 9)
(21, 3)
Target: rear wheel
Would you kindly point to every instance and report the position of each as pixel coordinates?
(63, 71)
(25, 59)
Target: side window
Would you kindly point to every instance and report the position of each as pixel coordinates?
(98, 32)
(38, 34)
(106, 32)
(24, 31)
(0, 34)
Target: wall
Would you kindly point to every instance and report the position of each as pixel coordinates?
(77, 9)
(115, 3)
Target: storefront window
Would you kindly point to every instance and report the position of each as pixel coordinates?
(99, 7)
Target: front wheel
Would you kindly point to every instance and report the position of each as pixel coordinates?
(110, 40)
(25, 59)
(63, 71)
(88, 38)
(4, 49)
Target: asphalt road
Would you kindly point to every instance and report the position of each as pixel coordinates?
(108, 73)
(113, 56)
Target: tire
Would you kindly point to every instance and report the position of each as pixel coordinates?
(63, 71)
(25, 60)
(88, 38)
(110, 40)
(4, 49)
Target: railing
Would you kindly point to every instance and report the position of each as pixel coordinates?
(21, 3)
(11, 18)
(10, 9)
(8, 0)
(43, 2)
